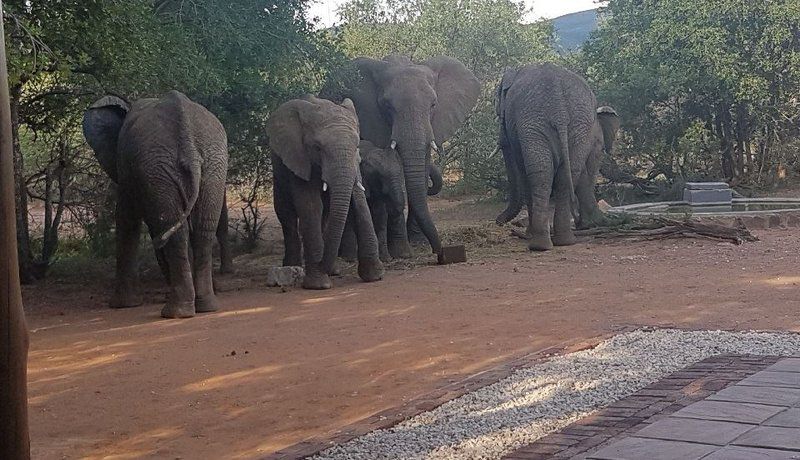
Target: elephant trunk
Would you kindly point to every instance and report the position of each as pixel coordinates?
(341, 190)
(437, 182)
(416, 174)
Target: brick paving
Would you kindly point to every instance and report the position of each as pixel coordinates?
(726, 407)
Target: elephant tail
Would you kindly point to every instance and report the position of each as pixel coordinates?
(190, 173)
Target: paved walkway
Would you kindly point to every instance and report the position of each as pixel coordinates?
(758, 418)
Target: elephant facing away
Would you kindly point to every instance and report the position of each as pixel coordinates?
(169, 158)
(552, 137)
(412, 108)
(315, 168)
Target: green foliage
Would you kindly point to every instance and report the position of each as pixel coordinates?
(488, 36)
(704, 88)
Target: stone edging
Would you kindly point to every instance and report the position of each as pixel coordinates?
(656, 401)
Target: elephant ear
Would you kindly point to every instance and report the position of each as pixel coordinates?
(365, 91)
(285, 131)
(609, 123)
(457, 92)
(102, 123)
(502, 89)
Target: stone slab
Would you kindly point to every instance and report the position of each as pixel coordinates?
(729, 412)
(453, 255)
(653, 449)
(750, 453)
(790, 418)
(285, 276)
(694, 197)
(707, 185)
(786, 365)
(759, 395)
(771, 437)
(773, 379)
(699, 431)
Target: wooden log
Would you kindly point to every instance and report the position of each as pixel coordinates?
(14, 436)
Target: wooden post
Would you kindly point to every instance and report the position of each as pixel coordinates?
(14, 437)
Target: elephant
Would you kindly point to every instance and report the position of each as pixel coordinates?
(412, 108)
(169, 159)
(552, 136)
(316, 184)
(382, 172)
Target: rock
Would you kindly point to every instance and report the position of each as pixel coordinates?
(285, 276)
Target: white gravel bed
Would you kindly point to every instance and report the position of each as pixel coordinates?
(532, 402)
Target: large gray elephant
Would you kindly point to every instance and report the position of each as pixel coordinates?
(315, 160)
(169, 158)
(412, 108)
(552, 137)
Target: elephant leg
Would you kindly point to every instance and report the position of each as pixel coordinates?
(126, 291)
(515, 184)
(287, 216)
(180, 300)
(414, 232)
(377, 209)
(370, 267)
(539, 170)
(162, 264)
(225, 255)
(348, 249)
(308, 203)
(562, 224)
(590, 214)
(397, 239)
(202, 272)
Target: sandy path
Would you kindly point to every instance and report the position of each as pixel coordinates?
(128, 384)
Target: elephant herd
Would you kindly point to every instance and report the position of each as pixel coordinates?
(345, 164)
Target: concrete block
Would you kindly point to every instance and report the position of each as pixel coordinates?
(694, 197)
(453, 255)
(285, 276)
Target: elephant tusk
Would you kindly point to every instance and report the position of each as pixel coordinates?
(361, 186)
(434, 147)
(324, 186)
(393, 145)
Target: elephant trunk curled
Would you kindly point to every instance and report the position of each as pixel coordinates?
(416, 175)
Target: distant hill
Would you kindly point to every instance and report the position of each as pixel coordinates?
(572, 30)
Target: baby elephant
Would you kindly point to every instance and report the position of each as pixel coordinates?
(315, 160)
(169, 158)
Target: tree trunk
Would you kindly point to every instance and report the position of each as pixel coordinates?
(14, 437)
(21, 205)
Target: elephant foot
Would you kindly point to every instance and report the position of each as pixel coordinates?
(385, 256)
(125, 300)
(540, 243)
(337, 268)
(506, 216)
(316, 279)
(370, 270)
(174, 310)
(564, 239)
(206, 304)
(402, 250)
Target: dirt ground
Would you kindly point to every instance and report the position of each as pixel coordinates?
(277, 367)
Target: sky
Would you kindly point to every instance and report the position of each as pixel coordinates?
(326, 9)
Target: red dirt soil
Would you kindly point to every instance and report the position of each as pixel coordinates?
(275, 368)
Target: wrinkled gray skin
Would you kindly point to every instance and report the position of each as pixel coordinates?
(415, 108)
(169, 158)
(553, 138)
(315, 168)
(382, 172)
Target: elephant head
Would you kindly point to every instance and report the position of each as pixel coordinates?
(382, 170)
(413, 108)
(609, 123)
(318, 140)
(102, 123)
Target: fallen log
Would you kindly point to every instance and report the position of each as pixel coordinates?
(660, 228)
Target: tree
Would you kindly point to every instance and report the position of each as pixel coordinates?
(704, 88)
(14, 437)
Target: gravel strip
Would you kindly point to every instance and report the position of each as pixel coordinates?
(501, 418)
